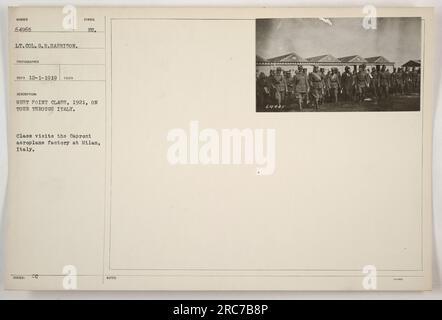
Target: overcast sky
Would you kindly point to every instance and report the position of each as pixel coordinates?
(397, 39)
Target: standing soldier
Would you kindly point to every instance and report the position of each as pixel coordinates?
(355, 84)
(418, 80)
(415, 78)
(301, 86)
(347, 83)
(400, 81)
(335, 84)
(324, 85)
(388, 74)
(270, 83)
(289, 82)
(327, 85)
(407, 80)
(316, 86)
(362, 82)
(393, 82)
(280, 86)
(374, 82)
(384, 79)
(262, 92)
(304, 70)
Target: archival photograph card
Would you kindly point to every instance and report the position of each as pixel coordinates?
(219, 149)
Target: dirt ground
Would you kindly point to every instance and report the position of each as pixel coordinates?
(410, 102)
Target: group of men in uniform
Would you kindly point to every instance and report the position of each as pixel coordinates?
(280, 89)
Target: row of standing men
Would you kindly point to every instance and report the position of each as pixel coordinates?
(280, 89)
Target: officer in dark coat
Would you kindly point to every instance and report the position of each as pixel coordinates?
(347, 84)
(262, 92)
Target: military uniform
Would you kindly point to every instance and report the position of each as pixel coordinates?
(362, 83)
(347, 84)
(384, 81)
(262, 92)
(355, 85)
(407, 81)
(280, 86)
(400, 81)
(316, 86)
(326, 84)
(289, 82)
(416, 76)
(301, 87)
(335, 85)
(393, 82)
(374, 83)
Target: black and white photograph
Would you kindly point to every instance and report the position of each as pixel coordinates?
(338, 64)
(137, 163)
